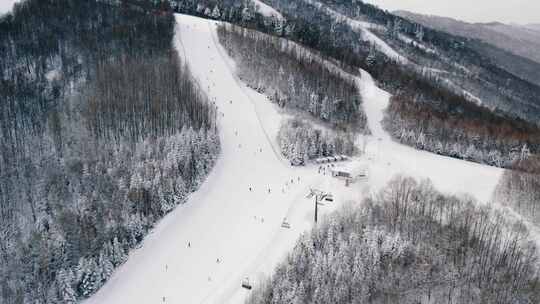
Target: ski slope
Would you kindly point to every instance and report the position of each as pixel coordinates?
(223, 220)
(234, 232)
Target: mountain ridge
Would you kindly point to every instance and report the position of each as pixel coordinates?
(519, 40)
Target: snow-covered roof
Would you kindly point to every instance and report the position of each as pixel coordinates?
(354, 168)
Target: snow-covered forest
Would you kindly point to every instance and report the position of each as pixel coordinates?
(460, 129)
(103, 131)
(519, 188)
(294, 78)
(300, 140)
(410, 244)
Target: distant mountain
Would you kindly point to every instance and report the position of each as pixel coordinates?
(523, 33)
(534, 27)
(519, 40)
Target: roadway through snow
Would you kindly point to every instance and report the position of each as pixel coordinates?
(234, 232)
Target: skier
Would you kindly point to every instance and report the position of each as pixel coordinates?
(189, 244)
(250, 189)
(218, 261)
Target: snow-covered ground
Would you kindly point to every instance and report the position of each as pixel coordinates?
(225, 220)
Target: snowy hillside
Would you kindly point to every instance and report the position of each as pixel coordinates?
(516, 39)
(364, 27)
(231, 228)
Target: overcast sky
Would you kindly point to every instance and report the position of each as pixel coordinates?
(6, 5)
(517, 11)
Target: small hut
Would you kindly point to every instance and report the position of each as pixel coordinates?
(351, 172)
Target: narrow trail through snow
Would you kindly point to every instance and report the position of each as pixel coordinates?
(388, 158)
(235, 232)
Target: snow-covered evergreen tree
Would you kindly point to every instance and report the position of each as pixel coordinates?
(326, 108)
(216, 14)
(89, 276)
(314, 104)
(64, 281)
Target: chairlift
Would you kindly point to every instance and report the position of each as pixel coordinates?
(285, 224)
(246, 284)
(313, 192)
